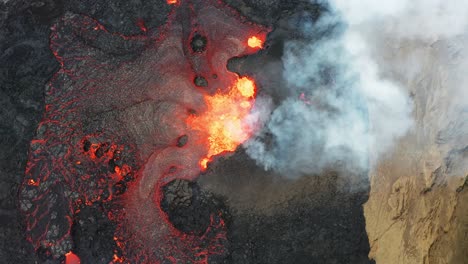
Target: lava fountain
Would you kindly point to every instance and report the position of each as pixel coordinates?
(224, 121)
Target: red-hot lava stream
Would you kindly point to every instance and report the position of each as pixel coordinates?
(218, 126)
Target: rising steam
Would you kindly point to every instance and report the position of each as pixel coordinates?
(348, 83)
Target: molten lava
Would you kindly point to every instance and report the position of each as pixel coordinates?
(225, 120)
(71, 258)
(255, 42)
(172, 2)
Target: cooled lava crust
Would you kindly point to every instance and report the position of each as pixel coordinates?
(114, 143)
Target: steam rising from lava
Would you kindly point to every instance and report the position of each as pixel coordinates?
(348, 82)
(338, 105)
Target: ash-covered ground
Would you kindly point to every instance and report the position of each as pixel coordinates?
(269, 218)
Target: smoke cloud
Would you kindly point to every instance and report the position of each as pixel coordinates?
(349, 84)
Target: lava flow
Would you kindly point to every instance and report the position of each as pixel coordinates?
(71, 258)
(117, 132)
(225, 119)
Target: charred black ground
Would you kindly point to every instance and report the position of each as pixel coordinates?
(188, 208)
(322, 224)
(93, 235)
(312, 220)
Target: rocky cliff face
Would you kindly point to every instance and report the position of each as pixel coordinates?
(417, 210)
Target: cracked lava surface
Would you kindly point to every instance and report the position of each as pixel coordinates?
(119, 127)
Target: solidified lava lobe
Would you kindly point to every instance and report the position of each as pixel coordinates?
(118, 129)
(187, 207)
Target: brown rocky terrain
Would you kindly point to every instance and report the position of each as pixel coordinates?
(417, 209)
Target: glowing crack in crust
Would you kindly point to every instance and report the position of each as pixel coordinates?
(110, 129)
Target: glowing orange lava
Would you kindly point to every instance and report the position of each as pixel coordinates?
(172, 2)
(255, 42)
(71, 258)
(33, 182)
(224, 121)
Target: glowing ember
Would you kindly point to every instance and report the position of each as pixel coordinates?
(172, 2)
(71, 258)
(33, 182)
(224, 122)
(204, 163)
(117, 259)
(255, 42)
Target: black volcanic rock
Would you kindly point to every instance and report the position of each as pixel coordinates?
(93, 236)
(188, 208)
(198, 43)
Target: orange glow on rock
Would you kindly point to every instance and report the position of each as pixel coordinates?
(204, 163)
(117, 259)
(33, 182)
(71, 258)
(224, 121)
(255, 42)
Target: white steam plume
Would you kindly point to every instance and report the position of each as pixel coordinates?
(355, 102)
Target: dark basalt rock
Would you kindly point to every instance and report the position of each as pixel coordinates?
(86, 145)
(200, 81)
(198, 43)
(119, 188)
(93, 235)
(46, 10)
(26, 64)
(182, 141)
(188, 208)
